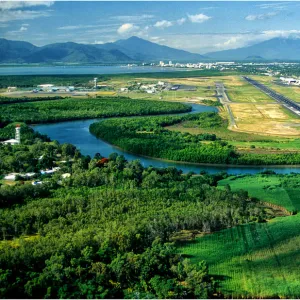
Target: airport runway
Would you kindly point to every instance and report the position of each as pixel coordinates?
(283, 100)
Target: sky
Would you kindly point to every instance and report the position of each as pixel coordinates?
(198, 27)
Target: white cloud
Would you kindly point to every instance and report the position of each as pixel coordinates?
(209, 7)
(261, 16)
(281, 33)
(23, 28)
(181, 21)
(275, 6)
(200, 18)
(20, 10)
(98, 42)
(211, 42)
(157, 39)
(9, 5)
(133, 18)
(72, 27)
(13, 15)
(232, 42)
(127, 28)
(163, 24)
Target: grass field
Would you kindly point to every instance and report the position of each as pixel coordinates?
(275, 145)
(270, 188)
(259, 260)
(268, 119)
(293, 92)
(243, 92)
(242, 140)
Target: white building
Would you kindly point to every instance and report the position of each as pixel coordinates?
(50, 171)
(288, 80)
(12, 176)
(11, 89)
(46, 87)
(16, 140)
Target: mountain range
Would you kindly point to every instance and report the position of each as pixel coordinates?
(135, 49)
(273, 49)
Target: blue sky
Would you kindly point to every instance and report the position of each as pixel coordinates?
(198, 27)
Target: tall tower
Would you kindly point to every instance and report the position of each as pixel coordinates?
(18, 134)
(95, 81)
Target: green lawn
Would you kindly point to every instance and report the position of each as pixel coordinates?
(253, 261)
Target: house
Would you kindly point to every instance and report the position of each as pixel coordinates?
(50, 171)
(11, 89)
(36, 182)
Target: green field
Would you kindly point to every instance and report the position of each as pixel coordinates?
(293, 92)
(258, 260)
(277, 189)
(245, 93)
(280, 144)
(243, 141)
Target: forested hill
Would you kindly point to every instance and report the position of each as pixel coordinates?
(131, 50)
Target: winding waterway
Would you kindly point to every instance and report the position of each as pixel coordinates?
(77, 133)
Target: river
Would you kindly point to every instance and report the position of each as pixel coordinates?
(77, 133)
(81, 70)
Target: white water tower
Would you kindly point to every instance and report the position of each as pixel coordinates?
(95, 82)
(18, 134)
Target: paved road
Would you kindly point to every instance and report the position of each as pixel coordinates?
(286, 102)
(223, 98)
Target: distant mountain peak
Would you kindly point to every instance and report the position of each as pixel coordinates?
(279, 48)
(147, 50)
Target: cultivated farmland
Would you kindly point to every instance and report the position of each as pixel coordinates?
(258, 260)
(277, 189)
